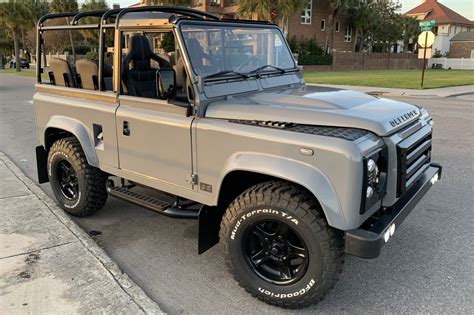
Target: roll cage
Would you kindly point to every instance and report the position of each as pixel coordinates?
(111, 19)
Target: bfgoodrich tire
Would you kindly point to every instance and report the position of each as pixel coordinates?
(79, 188)
(279, 247)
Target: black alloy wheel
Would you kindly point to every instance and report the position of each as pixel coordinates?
(78, 187)
(67, 179)
(275, 252)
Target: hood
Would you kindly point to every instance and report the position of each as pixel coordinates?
(342, 108)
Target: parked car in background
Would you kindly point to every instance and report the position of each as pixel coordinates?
(23, 63)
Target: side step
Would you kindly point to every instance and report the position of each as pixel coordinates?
(151, 203)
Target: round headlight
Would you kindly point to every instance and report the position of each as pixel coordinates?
(371, 165)
(369, 193)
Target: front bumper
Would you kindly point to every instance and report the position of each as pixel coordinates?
(367, 241)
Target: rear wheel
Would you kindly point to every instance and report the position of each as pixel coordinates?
(279, 247)
(79, 188)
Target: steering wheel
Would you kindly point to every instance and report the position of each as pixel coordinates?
(247, 62)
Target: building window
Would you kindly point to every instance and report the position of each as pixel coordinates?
(307, 12)
(338, 26)
(348, 34)
(323, 25)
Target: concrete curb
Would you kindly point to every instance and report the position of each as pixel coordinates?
(137, 295)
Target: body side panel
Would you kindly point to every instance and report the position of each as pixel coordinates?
(333, 174)
(77, 111)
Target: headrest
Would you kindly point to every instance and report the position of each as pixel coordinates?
(194, 46)
(87, 70)
(62, 71)
(139, 51)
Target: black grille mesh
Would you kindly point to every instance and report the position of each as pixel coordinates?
(350, 134)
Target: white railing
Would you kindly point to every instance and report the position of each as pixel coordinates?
(453, 63)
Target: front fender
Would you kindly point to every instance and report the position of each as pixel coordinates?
(294, 171)
(80, 131)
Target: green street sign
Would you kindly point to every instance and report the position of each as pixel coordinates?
(425, 28)
(429, 23)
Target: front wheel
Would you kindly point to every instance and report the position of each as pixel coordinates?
(79, 188)
(279, 247)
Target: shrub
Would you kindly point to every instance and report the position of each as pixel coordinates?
(309, 52)
(315, 60)
(92, 55)
(80, 49)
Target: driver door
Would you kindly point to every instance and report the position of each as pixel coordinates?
(154, 141)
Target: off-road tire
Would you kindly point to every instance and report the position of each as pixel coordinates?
(325, 244)
(91, 181)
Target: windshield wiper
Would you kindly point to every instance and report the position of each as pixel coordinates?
(224, 72)
(282, 71)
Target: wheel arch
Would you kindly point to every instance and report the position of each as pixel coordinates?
(59, 127)
(252, 168)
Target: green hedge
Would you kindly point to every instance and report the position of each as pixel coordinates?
(315, 60)
(309, 52)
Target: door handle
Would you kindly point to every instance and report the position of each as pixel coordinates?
(126, 130)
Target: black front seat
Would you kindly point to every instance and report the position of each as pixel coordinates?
(138, 75)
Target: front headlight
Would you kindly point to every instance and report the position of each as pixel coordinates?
(375, 177)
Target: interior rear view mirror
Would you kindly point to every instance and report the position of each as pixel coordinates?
(165, 83)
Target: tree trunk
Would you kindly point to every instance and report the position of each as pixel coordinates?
(330, 31)
(23, 37)
(356, 39)
(17, 50)
(73, 49)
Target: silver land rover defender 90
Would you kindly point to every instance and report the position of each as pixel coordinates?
(202, 118)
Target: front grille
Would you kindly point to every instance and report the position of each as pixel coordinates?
(414, 157)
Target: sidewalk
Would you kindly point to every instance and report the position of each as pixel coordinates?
(50, 265)
(439, 92)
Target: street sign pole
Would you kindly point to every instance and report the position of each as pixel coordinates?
(424, 62)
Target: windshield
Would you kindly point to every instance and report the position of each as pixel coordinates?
(232, 50)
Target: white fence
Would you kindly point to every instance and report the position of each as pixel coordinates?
(453, 63)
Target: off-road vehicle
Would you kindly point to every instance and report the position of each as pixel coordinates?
(213, 119)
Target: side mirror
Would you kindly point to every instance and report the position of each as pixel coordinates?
(165, 83)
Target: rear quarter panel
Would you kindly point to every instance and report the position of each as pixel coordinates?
(59, 106)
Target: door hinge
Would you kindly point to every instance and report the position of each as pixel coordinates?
(193, 179)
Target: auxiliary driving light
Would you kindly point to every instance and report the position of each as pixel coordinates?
(392, 229)
(389, 232)
(434, 179)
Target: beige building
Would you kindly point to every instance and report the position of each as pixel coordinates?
(448, 22)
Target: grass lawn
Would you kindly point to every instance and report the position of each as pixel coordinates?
(404, 79)
(23, 73)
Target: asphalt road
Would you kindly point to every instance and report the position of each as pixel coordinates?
(427, 267)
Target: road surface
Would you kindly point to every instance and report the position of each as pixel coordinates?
(427, 267)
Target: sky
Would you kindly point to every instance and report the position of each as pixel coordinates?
(463, 7)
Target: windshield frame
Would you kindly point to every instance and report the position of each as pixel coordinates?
(236, 25)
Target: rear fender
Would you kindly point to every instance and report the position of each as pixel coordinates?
(80, 131)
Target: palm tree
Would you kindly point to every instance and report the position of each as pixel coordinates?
(334, 7)
(275, 11)
(411, 29)
(362, 17)
(13, 15)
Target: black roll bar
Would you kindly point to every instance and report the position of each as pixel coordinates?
(167, 9)
(80, 15)
(51, 16)
(102, 25)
